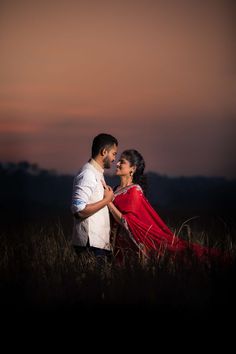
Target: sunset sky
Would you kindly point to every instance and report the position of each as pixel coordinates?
(158, 75)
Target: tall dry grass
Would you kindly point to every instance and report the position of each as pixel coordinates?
(39, 269)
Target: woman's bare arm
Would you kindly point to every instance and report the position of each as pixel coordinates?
(116, 213)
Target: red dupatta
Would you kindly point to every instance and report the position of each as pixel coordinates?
(146, 228)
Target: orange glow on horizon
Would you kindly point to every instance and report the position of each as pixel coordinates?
(161, 77)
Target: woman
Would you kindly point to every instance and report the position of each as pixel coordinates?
(138, 229)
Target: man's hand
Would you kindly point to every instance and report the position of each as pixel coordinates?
(108, 192)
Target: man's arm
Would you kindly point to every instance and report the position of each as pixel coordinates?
(92, 208)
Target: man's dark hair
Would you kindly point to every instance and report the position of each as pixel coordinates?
(102, 141)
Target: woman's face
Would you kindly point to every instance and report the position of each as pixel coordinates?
(123, 167)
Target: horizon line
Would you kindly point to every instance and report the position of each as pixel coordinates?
(36, 167)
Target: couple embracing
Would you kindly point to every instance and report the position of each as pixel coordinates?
(124, 212)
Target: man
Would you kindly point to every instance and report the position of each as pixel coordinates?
(91, 229)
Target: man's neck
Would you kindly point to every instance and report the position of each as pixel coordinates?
(97, 163)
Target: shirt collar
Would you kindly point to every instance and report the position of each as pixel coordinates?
(96, 165)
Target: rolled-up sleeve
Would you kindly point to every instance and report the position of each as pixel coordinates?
(84, 185)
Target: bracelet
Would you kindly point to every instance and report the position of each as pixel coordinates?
(122, 219)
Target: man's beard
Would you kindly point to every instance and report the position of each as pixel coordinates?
(106, 163)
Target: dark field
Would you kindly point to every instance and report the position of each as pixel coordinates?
(41, 273)
(39, 270)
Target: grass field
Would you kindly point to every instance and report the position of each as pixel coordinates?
(40, 270)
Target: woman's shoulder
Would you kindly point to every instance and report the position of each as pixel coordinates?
(135, 189)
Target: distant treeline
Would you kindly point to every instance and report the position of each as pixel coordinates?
(26, 187)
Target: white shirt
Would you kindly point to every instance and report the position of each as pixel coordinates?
(88, 189)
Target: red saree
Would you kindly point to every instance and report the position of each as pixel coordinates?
(145, 230)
